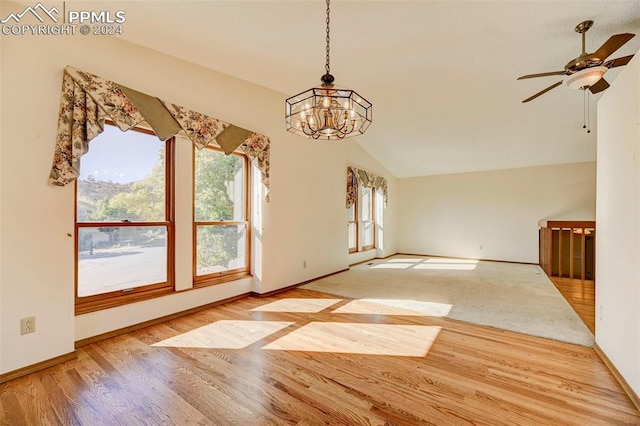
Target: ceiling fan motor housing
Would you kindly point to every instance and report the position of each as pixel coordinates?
(582, 62)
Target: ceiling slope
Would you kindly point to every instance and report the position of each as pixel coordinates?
(441, 74)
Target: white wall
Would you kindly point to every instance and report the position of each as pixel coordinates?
(307, 214)
(618, 215)
(305, 220)
(386, 226)
(499, 210)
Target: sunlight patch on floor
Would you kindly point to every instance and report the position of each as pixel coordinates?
(445, 266)
(392, 266)
(443, 263)
(449, 264)
(404, 260)
(395, 307)
(451, 260)
(297, 305)
(225, 334)
(364, 339)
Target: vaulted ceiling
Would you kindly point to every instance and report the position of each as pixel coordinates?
(440, 74)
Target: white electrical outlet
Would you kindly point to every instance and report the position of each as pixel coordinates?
(304, 263)
(28, 325)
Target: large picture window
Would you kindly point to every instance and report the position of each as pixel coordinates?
(221, 226)
(124, 227)
(130, 235)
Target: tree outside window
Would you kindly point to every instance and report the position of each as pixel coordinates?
(221, 227)
(123, 224)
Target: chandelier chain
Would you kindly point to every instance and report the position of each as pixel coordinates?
(327, 67)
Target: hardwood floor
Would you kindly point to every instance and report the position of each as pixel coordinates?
(581, 295)
(250, 364)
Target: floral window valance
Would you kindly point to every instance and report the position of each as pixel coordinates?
(87, 100)
(356, 177)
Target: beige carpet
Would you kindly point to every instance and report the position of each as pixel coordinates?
(509, 296)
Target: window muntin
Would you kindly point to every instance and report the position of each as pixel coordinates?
(123, 219)
(221, 226)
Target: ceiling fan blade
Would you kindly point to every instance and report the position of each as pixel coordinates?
(614, 43)
(553, 86)
(542, 74)
(599, 86)
(618, 62)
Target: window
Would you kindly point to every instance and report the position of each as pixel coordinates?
(221, 226)
(361, 220)
(353, 228)
(124, 225)
(368, 224)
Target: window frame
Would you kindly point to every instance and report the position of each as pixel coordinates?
(111, 299)
(232, 274)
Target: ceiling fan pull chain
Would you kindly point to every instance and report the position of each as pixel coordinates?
(588, 113)
(584, 109)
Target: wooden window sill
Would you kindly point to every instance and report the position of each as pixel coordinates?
(112, 302)
(214, 279)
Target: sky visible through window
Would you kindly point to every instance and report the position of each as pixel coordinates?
(120, 156)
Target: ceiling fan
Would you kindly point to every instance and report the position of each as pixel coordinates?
(586, 71)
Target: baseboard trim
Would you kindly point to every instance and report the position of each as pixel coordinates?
(135, 327)
(369, 260)
(289, 287)
(468, 258)
(362, 261)
(20, 372)
(387, 256)
(139, 326)
(621, 380)
(93, 339)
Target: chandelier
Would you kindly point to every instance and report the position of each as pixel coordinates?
(327, 111)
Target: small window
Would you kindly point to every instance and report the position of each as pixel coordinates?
(368, 224)
(221, 226)
(353, 228)
(123, 221)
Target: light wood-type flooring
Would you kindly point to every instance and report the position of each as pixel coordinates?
(290, 359)
(581, 295)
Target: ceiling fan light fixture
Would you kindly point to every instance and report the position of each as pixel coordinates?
(585, 78)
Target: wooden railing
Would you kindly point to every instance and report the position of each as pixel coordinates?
(567, 248)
